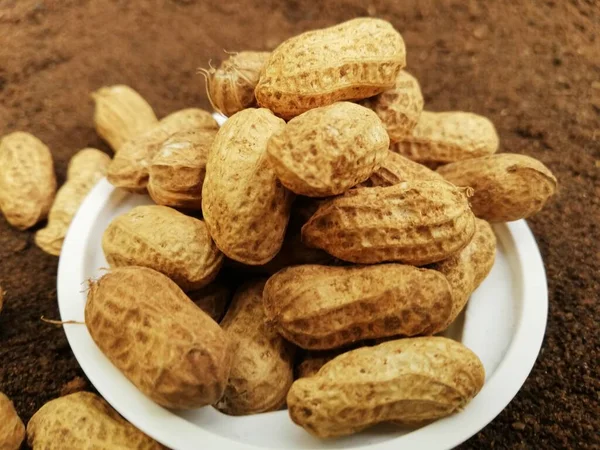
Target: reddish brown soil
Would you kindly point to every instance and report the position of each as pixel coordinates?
(533, 69)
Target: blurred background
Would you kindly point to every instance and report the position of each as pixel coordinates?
(532, 67)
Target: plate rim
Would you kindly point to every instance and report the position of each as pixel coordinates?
(498, 391)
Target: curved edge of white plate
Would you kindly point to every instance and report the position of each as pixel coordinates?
(177, 433)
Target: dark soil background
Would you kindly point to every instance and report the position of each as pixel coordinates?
(532, 67)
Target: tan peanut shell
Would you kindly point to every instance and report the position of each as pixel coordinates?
(86, 168)
(12, 430)
(170, 349)
(213, 299)
(245, 207)
(395, 169)
(408, 381)
(444, 137)
(400, 107)
(327, 150)
(129, 168)
(507, 186)
(165, 240)
(84, 421)
(262, 362)
(466, 269)
(27, 180)
(320, 307)
(230, 88)
(312, 361)
(415, 222)
(177, 171)
(121, 114)
(353, 60)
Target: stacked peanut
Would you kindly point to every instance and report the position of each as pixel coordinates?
(360, 221)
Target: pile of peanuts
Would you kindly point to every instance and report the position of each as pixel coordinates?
(360, 222)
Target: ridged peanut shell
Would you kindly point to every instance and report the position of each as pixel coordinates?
(507, 186)
(327, 150)
(27, 180)
(165, 240)
(400, 107)
(445, 137)
(129, 168)
(466, 269)
(12, 430)
(395, 169)
(177, 171)
(86, 168)
(245, 206)
(121, 114)
(321, 307)
(353, 60)
(230, 88)
(408, 381)
(262, 362)
(213, 299)
(170, 349)
(415, 222)
(84, 421)
(311, 361)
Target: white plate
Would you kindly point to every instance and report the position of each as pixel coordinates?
(504, 325)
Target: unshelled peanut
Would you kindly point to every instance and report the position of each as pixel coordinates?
(177, 171)
(245, 206)
(415, 222)
(129, 168)
(320, 307)
(262, 362)
(399, 107)
(466, 269)
(84, 421)
(213, 299)
(12, 430)
(444, 137)
(86, 168)
(507, 186)
(395, 169)
(353, 60)
(165, 240)
(230, 88)
(407, 381)
(27, 180)
(121, 114)
(170, 349)
(327, 150)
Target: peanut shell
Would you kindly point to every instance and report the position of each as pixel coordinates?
(507, 186)
(327, 150)
(165, 240)
(408, 381)
(415, 222)
(129, 168)
(320, 307)
(86, 168)
(353, 60)
(262, 366)
(84, 421)
(230, 88)
(121, 114)
(27, 180)
(213, 299)
(466, 269)
(444, 137)
(245, 207)
(12, 430)
(177, 171)
(395, 169)
(400, 107)
(170, 349)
